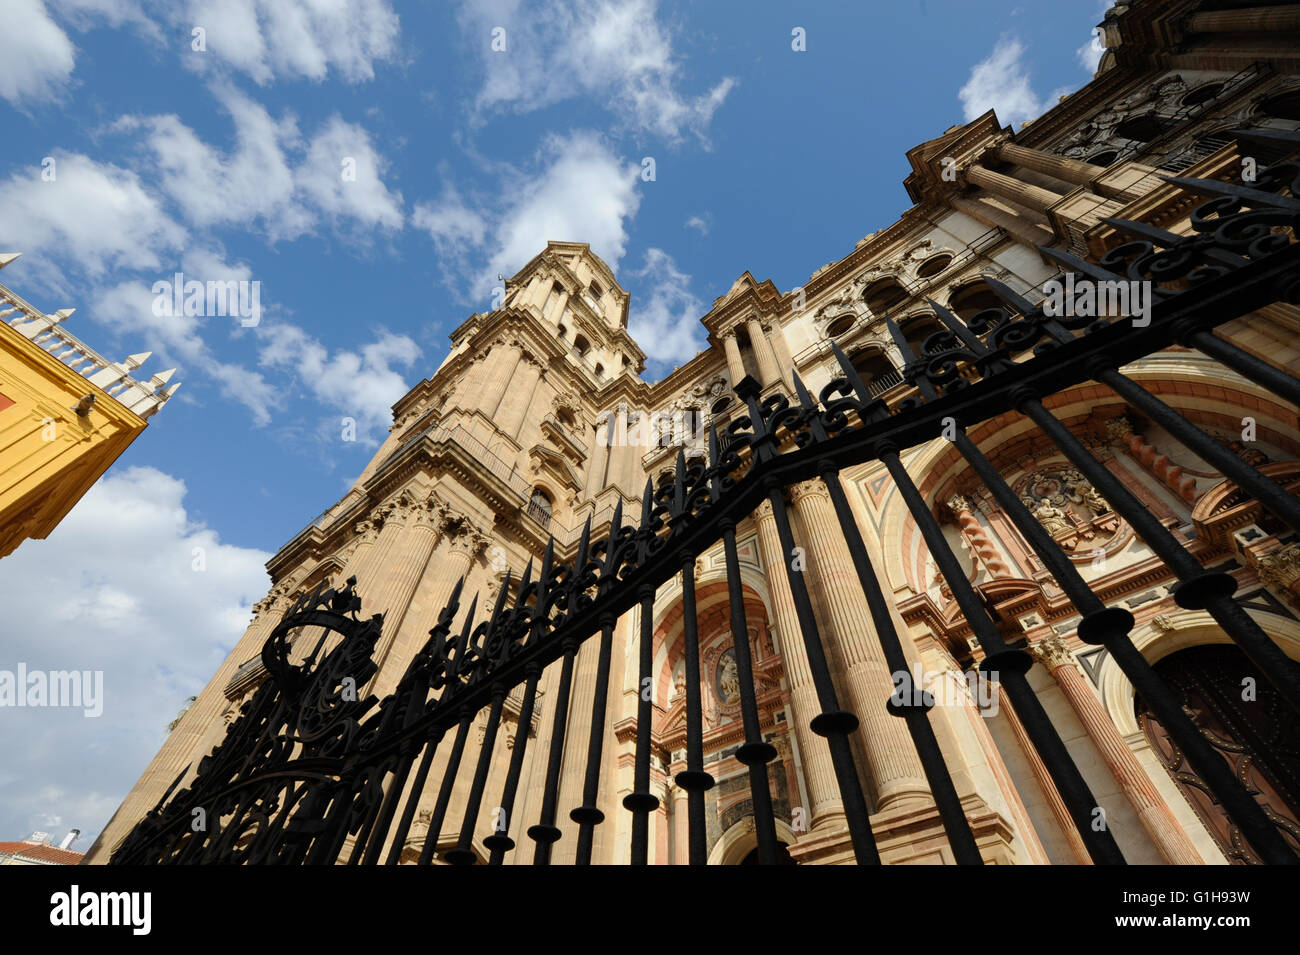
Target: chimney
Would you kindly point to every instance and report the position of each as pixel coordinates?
(70, 838)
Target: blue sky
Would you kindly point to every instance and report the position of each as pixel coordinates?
(226, 163)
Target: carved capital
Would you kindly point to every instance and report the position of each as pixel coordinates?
(809, 489)
(1052, 652)
(959, 504)
(1119, 428)
(466, 540)
(1281, 568)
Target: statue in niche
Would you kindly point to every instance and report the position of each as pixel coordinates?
(679, 683)
(728, 677)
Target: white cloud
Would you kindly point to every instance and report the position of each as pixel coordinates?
(342, 176)
(178, 339)
(271, 176)
(666, 320)
(580, 192)
(362, 385)
(269, 39)
(1089, 55)
(1001, 82)
(97, 215)
(616, 50)
(36, 56)
(699, 224)
(113, 589)
(86, 14)
(450, 222)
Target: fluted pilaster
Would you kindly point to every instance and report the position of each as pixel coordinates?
(1136, 785)
(826, 811)
(735, 365)
(767, 365)
(893, 767)
(1033, 197)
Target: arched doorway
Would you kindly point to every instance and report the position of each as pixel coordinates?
(783, 856)
(1245, 719)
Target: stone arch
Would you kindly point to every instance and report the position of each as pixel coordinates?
(740, 840)
(1168, 634)
(710, 592)
(885, 293)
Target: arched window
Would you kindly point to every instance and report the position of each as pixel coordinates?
(933, 266)
(1282, 106)
(539, 507)
(1202, 94)
(969, 299)
(876, 371)
(840, 325)
(1143, 128)
(721, 405)
(563, 331)
(917, 329)
(580, 345)
(600, 371)
(1104, 158)
(884, 294)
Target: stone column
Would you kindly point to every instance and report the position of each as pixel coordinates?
(957, 688)
(1120, 430)
(561, 303)
(826, 811)
(1067, 170)
(468, 394)
(893, 768)
(976, 537)
(459, 544)
(1055, 803)
(767, 366)
(497, 380)
(735, 365)
(393, 583)
(518, 399)
(1154, 813)
(1020, 228)
(599, 455)
(681, 839)
(1033, 197)
(367, 533)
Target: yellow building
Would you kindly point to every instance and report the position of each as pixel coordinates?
(66, 413)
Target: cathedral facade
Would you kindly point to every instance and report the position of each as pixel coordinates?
(538, 423)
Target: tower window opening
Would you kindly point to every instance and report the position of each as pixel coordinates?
(540, 508)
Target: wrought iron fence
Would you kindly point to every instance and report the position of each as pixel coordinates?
(310, 773)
